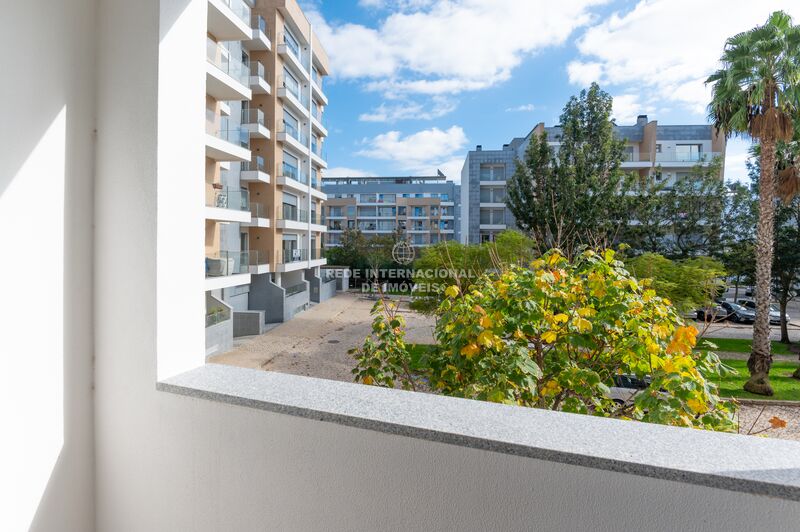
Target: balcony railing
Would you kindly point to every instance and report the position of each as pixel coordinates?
(254, 116)
(259, 210)
(295, 133)
(292, 213)
(217, 315)
(220, 57)
(288, 256)
(256, 164)
(707, 156)
(316, 78)
(295, 90)
(318, 148)
(319, 116)
(317, 253)
(230, 198)
(238, 136)
(295, 289)
(260, 23)
(295, 51)
(257, 69)
(240, 8)
(287, 170)
(258, 258)
(223, 263)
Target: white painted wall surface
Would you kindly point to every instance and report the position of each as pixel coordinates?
(171, 463)
(46, 158)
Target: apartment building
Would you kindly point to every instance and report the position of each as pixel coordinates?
(664, 152)
(424, 210)
(264, 159)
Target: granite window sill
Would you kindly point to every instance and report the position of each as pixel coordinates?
(733, 462)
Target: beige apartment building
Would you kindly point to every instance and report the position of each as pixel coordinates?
(264, 161)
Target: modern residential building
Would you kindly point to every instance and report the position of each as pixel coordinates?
(665, 152)
(423, 209)
(264, 158)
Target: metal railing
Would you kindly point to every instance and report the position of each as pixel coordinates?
(288, 256)
(254, 116)
(230, 198)
(292, 213)
(234, 134)
(220, 57)
(223, 263)
(256, 164)
(217, 315)
(295, 289)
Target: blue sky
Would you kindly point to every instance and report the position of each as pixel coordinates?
(417, 83)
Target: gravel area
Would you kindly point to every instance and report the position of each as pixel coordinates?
(315, 344)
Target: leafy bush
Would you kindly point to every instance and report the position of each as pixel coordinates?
(554, 336)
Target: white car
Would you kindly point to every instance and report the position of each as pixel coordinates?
(626, 387)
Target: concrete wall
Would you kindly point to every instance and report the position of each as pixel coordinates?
(219, 338)
(248, 323)
(47, 141)
(268, 297)
(166, 462)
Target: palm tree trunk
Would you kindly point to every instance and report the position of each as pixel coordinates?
(760, 359)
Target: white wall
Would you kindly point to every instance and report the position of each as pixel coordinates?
(46, 157)
(171, 463)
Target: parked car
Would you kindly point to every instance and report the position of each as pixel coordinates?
(774, 313)
(738, 313)
(713, 313)
(626, 387)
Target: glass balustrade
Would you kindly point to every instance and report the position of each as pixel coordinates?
(223, 263)
(220, 57)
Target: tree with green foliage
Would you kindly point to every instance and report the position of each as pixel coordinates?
(689, 284)
(756, 92)
(737, 237)
(555, 335)
(786, 265)
(575, 197)
(350, 252)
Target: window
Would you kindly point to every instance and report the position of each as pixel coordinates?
(368, 198)
(291, 42)
(628, 153)
(492, 172)
(688, 152)
(290, 83)
(290, 166)
(492, 194)
(658, 148)
(492, 216)
(401, 210)
(290, 124)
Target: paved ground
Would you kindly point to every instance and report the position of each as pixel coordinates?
(315, 343)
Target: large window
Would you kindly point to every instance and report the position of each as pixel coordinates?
(492, 216)
(291, 125)
(291, 42)
(493, 194)
(492, 172)
(290, 83)
(290, 166)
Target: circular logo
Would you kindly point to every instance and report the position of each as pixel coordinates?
(403, 253)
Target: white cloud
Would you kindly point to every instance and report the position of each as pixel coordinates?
(343, 171)
(447, 46)
(665, 49)
(737, 153)
(421, 152)
(627, 107)
(525, 108)
(407, 109)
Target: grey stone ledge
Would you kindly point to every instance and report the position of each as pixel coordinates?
(760, 466)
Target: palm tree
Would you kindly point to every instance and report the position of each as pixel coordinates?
(757, 93)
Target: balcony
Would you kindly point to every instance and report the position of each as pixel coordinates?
(232, 144)
(259, 216)
(258, 78)
(317, 223)
(256, 170)
(317, 258)
(228, 205)
(316, 85)
(319, 154)
(225, 269)
(293, 57)
(687, 159)
(291, 218)
(260, 41)
(292, 96)
(259, 262)
(318, 121)
(288, 260)
(254, 122)
(226, 78)
(294, 138)
(229, 20)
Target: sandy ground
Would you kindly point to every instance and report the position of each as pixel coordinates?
(315, 343)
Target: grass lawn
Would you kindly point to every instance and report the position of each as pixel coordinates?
(736, 345)
(780, 376)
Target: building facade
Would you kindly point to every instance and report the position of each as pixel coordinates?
(264, 159)
(423, 210)
(665, 152)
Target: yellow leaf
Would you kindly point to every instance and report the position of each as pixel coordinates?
(368, 380)
(477, 309)
(451, 291)
(486, 322)
(697, 406)
(583, 325)
(470, 350)
(587, 312)
(549, 337)
(485, 338)
(561, 318)
(518, 334)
